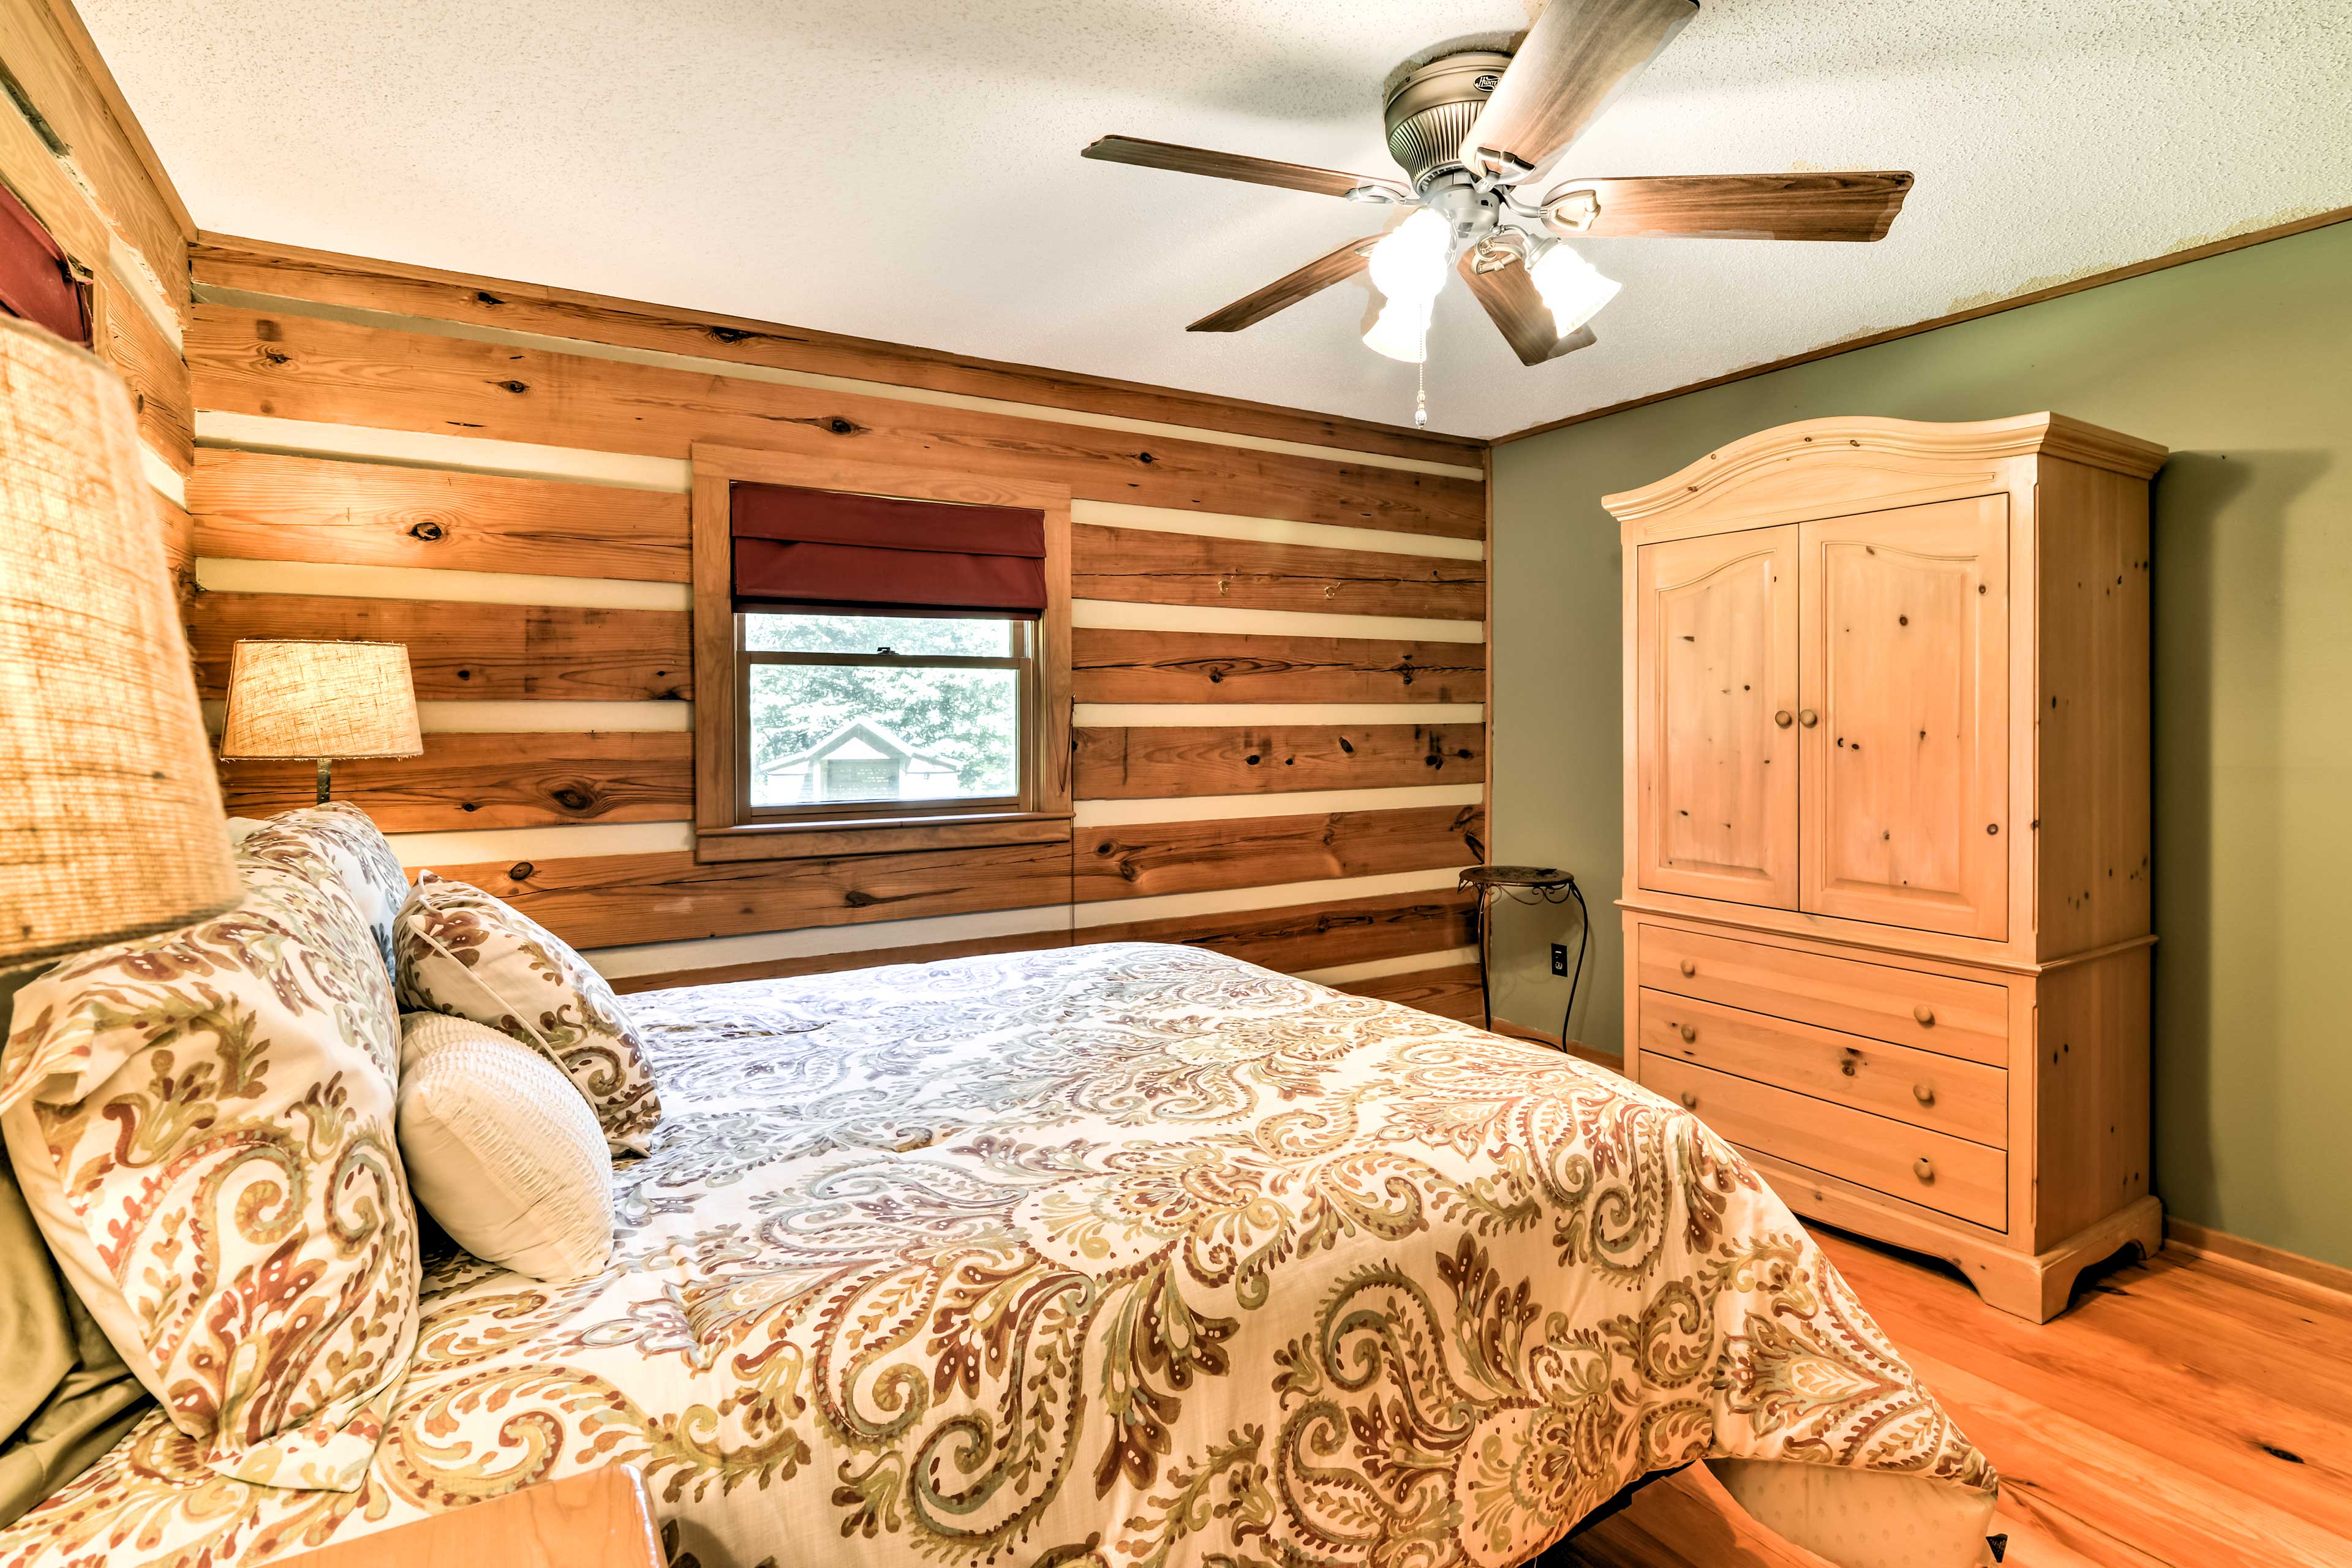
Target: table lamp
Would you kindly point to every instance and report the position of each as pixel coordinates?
(110, 821)
(316, 701)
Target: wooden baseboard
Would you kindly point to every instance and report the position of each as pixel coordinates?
(2200, 1241)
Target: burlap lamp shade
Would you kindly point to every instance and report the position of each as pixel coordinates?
(111, 823)
(319, 702)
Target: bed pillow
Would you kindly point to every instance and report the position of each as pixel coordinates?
(461, 951)
(503, 1150)
(203, 1125)
(361, 856)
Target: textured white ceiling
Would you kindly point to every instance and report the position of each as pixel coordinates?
(911, 172)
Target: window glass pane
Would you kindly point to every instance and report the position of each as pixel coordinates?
(866, 633)
(846, 733)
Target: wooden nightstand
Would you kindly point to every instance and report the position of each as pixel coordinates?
(597, 1520)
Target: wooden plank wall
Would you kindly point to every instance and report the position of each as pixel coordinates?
(1279, 659)
(71, 153)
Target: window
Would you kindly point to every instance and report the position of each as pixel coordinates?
(881, 658)
(889, 712)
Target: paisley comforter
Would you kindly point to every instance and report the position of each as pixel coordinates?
(1119, 1255)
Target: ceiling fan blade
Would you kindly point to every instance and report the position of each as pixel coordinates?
(1234, 166)
(1575, 60)
(1519, 313)
(1317, 274)
(1858, 205)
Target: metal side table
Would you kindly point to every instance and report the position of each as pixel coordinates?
(1523, 885)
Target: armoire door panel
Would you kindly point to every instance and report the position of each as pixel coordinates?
(1905, 657)
(1716, 684)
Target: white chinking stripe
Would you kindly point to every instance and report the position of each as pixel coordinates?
(139, 282)
(1302, 803)
(468, 846)
(1113, 615)
(432, 449)
(809, 941)
(1145, 714)
(310, 439)
(1272, 530)
(1381, 968)
(1238, 900)
(588, 348)
(219, 576)
(542, 717)
(162, 477)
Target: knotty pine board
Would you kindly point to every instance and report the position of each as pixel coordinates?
(467, 650)
(1226, 666)
(1314, 936)
(1150, 567)
(1145, 761)
(471, 781)
(1450, 992)
(614, 900)
(1143, 860)
(223, 261)
(262, 506)
(303, 367)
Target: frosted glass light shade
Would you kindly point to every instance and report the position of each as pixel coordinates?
(1572, 288)
(309, 701)
(110, 821)
(1401, 330)
(1408, 263)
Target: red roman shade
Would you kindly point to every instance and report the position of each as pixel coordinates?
(33, 283)
(827, 550)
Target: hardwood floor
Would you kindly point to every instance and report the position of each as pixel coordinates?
(2187, 1413)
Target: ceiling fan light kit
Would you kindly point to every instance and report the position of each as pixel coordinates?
(1471, 127)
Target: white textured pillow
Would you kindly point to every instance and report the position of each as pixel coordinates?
(502, 1150)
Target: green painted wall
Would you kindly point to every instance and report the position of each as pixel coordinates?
(2242, 365)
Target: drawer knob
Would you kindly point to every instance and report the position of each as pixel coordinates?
(1924, 1168)
(1808, 718)
(1783, 718)
(1689, 968)
(1689, 1034)
(1926, 1014)
(1690, 1099)
(1925, 1093)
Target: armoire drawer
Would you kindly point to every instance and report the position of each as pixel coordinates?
(1932, 1169)
(1965, 1099)
(1934, 1012)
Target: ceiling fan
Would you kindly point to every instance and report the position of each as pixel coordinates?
(1473, 129)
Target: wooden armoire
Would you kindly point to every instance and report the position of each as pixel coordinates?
(1886, 887)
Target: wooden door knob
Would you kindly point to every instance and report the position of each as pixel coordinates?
(1689, 969)
(1925, 1093)
(1783, 718)
(1926, 1014)
(1924, 1168)
(1808, 718)
(1689, 1033)
(1690, 1099)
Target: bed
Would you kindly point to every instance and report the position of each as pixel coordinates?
(1123, 1254)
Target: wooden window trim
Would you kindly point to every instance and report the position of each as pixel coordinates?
(723, 827)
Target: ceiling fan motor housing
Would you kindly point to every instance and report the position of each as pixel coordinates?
(1432, 109)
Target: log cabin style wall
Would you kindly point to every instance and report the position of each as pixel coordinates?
(71, 153)
(1279, 651)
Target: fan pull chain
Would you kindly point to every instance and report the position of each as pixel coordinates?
(1421, 395)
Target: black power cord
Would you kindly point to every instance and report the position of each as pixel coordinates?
(1584, 941)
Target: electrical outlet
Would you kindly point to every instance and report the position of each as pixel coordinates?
(1560, 959)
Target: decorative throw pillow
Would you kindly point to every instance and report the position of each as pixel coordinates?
(502, 1150)
(202, 1123)
(463, 953)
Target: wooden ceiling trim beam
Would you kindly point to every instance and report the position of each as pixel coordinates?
(1977, 313)
(327, 278)
(294, 367)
